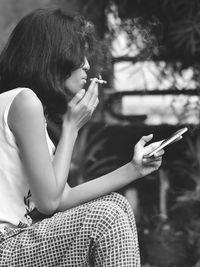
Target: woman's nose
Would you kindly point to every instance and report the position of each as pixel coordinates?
(86, 65)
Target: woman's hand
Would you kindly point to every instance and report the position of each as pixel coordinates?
(82, 105)
(146, 165)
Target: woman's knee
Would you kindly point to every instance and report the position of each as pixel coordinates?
(104, 215)
(111, 207)
(118, 200)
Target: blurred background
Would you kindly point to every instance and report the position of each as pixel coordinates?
(151, 61)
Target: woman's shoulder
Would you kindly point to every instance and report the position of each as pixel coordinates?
(25, 98)
(25, 104)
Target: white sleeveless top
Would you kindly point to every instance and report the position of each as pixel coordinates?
(15, 196)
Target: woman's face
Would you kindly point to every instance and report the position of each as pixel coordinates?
(78, 78)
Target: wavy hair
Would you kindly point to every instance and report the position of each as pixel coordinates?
(42, 51)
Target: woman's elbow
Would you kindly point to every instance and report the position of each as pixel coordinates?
(48, 208)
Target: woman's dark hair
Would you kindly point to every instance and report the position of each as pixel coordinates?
(42, 51)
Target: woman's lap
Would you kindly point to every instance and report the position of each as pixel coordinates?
(68, 238)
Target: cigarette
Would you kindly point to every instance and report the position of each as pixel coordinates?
(99, 80)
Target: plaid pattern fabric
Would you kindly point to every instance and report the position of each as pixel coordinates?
(98, 233)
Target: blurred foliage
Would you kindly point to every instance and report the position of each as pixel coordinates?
(89, 160)
(179, 28)
(170, 29)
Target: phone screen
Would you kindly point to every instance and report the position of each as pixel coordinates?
(168, 141)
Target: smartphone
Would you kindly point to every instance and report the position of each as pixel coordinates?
(172, 138)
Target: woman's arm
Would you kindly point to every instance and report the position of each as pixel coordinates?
(47, 179)
(98, 187)
(115, 180)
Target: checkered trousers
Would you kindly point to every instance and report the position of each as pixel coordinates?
(98, 233)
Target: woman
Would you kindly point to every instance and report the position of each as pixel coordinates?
(43, 71)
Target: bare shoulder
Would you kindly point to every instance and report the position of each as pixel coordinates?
(25, 106)
(26, 99)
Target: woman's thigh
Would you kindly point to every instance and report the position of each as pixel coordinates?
(65, 239)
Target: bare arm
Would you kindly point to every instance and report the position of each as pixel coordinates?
(46, 179)
(98, 187)
(115, 180)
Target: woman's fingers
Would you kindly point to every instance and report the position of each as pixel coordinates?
(145, 139)
(94, 99)
(93, 107)
(92, 92)
(140, 146)
(90, 100)
(151, 147)
(159, 153)
(77, 98)
(155, 145)
(153, 159)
